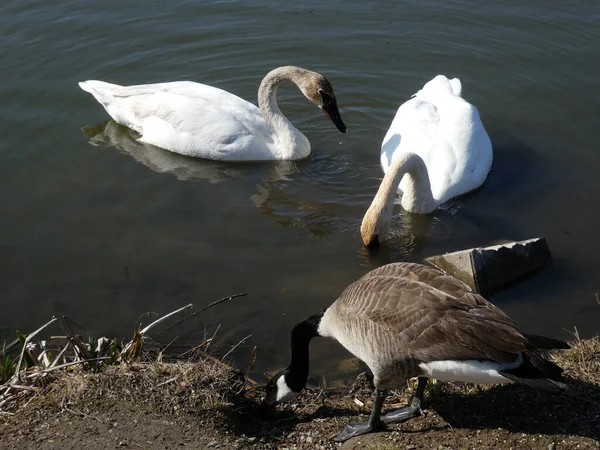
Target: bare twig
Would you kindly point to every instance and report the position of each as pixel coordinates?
(236, 346)
(80, 349)
(170, 380)
(24, 388)
(61, 366)
(70, 322)
(62, 352)
(251, 366)
(159, 358)
(209, 341)
(224, 299)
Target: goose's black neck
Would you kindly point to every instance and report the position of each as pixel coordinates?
(302, 333)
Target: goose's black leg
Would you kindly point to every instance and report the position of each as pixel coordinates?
(414, 409)
(374, 424)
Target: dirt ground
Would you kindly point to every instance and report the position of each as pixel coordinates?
(186, 406)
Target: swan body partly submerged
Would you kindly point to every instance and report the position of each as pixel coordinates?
(202, 121)
(435, 149)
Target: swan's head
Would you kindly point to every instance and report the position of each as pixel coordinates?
(319, 91)
(278, 391)
(376, 222)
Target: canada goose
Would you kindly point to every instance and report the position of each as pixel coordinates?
(436, 149)
(407, 320)
(202, 121)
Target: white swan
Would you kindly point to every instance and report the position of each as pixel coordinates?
(202, 121)
(438, 141)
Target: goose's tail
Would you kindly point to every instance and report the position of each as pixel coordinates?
(536, 371)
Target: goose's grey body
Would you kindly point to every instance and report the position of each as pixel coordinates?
(408, 320)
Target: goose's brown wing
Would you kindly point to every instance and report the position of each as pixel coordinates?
(427, 315)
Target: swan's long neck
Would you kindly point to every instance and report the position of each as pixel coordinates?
(417, 196)
(303, 332)
(291, 143)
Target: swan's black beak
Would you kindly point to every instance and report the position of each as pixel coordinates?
(331, 111)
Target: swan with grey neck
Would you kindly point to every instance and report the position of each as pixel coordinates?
(407, 320)
(435, 149)
(202, 121)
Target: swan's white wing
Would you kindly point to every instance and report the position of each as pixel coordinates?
(188, 118)
(446, 131)
(416, 129)
(211, 95)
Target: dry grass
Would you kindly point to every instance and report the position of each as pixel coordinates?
(28, 365)
(169, 388)
(582, 361)
(213, 399)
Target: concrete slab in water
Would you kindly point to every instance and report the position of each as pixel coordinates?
(491, 269)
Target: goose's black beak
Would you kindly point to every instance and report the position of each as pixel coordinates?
(265, 407)
(331, 111)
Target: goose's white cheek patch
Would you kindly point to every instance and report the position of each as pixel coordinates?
(284, 393)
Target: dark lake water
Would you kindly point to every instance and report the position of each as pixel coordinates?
(103, 233)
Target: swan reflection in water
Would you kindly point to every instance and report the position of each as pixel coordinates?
(324, 195)
(110, 133)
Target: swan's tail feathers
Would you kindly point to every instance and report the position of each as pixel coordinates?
(95, 86)
(440, 85)
(104, 93)
(456, 86)
(537, 372)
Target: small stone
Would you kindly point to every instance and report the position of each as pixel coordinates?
(552, 446)
(309, 440)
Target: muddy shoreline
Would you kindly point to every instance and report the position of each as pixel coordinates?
(208, 404)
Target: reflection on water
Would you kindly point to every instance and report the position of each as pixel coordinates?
(318, 196)
(110, 133)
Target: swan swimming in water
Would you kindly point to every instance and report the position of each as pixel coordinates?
(202, 121)
(436, 149)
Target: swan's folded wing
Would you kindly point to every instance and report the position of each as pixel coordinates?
(414, 129)
(192, 126)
